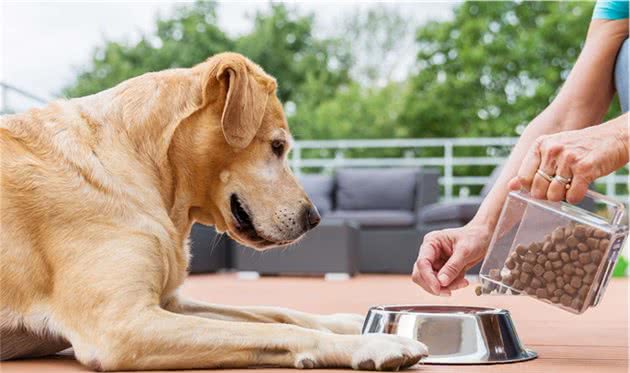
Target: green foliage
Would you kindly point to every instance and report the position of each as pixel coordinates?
(307, 68)
(355, 112)
(621, 268)
(283, 44)
(485, 72)
(380, 39)
(187, 38)
(494, 67)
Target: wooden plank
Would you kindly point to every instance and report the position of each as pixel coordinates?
(534, 366)
(596, 341)
(580, 352)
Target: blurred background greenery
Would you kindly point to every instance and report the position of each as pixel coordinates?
(485, 72)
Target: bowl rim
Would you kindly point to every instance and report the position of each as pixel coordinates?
(437, 309)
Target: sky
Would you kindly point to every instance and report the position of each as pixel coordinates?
(44, 44)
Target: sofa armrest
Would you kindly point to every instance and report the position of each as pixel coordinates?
(455, 211)
(427, 187)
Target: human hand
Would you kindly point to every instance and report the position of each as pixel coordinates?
(445, 256)
(562, 165)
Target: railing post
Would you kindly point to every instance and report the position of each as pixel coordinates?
(297, 159)
(448, 170)
(339, 158)
(610, 185)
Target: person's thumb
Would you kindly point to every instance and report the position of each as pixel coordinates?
(514, 184)
(452, 268)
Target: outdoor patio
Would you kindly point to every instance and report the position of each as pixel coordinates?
(596, 341)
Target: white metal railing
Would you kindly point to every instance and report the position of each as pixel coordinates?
(6, 90)
(446, 163)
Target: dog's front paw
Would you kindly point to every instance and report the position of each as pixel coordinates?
(387, 352)
(343, 323)
(364, 352)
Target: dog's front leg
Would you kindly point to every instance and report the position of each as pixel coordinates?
(340, 323)
(158, 339)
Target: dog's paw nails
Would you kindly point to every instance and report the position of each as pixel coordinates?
(395, 363)
(306, 363)
(367, 365)
(387, 352)
(413, 360)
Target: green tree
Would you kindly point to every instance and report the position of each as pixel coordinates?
(493, 67)
(382, 44)
(368, 106)
(355, 112)
(308, 69)
(283, 43)
(188, 37)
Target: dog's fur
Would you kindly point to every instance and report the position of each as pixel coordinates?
(98, 195)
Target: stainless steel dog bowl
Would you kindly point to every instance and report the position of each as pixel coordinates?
(453, 334)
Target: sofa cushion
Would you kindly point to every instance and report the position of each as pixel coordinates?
(455, 211)
(376, 218)
(376, 189)
(320, 190)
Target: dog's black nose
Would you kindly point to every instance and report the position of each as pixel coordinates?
(311, 217)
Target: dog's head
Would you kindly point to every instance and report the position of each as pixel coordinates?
(250, 190)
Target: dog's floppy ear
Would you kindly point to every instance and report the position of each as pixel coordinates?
(245, 101)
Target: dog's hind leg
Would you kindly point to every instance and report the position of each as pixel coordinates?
(341, 323)
(21, 343)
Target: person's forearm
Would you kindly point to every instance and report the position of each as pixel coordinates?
(582, 102)
(589, 88)
(618, 128)
(545, 123)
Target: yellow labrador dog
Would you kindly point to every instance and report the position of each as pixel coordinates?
(98, 195)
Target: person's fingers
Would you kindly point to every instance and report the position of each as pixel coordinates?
(459, 283)
(578, 188)
(528, 168)
(453, 267)
(514, 184)
(424, 275)
(584, 172)
(445, 292)
(540, 184)
(557, 190)
(418, 280)
(426, 265)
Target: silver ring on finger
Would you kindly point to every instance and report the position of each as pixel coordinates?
(566, 181)
(544, 175)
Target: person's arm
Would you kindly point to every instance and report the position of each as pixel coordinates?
(583, 101)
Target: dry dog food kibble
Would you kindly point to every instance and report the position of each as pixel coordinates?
(561, 269)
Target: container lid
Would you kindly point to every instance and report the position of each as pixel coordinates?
(607, 215)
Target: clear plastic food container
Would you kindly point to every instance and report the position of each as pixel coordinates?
(556, 252)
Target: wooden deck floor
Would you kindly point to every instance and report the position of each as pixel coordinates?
(595, 342)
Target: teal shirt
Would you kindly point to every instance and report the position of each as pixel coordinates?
(610, 9)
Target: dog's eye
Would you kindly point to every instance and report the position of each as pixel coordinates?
(277, 146)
